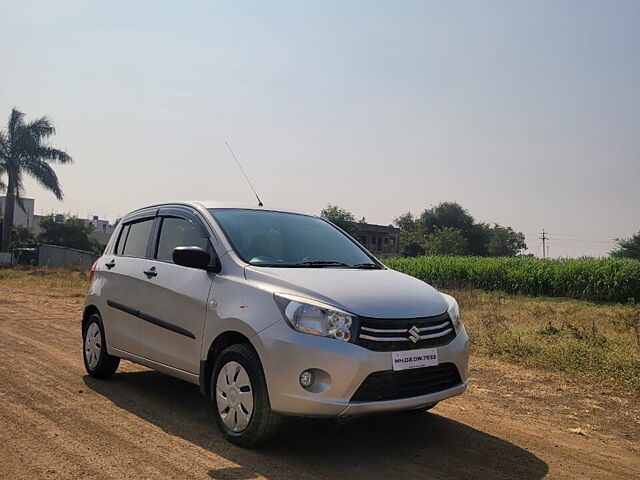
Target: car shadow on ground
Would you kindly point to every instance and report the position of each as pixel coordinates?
(393, 446)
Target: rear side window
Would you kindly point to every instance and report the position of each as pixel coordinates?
(137, 238)
(177, 232)
(121, 240)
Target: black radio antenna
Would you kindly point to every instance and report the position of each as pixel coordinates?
(245, 174)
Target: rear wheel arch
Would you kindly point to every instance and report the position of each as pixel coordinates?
(86, 314)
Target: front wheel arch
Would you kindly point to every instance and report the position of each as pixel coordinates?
(222, 341)
(261, 423)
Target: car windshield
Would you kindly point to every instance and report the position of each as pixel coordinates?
(279, 239)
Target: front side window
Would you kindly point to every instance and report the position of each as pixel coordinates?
(279, 239)
(177, 232)
(137, 238)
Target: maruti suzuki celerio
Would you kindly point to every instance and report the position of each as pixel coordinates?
(271, 313)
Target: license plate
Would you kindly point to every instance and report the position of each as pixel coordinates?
(425, 357)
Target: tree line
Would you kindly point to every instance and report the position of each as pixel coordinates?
(72, 232)
(627, 247)
(449, 229)
(445, 229)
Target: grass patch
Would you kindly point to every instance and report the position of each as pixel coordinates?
(595, 342)
(49, 281)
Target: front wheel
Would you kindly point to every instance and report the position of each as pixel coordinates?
(239, 390)
(97, 361)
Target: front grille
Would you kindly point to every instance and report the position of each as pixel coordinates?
(391, 385)
(391, 335)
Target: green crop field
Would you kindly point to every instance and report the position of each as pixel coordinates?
(611, 280)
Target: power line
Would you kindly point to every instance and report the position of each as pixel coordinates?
(573, 241)
(586, 237)
(576, 247)
(580, 235)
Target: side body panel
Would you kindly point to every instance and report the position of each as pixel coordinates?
(237, 306)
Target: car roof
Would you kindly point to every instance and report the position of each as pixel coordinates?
(215, 204)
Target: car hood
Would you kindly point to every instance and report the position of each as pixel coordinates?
(367, 293)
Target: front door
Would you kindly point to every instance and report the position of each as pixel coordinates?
(173, 311)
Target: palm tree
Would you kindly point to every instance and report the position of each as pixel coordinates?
(24, 150)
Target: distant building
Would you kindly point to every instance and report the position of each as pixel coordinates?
(100, 225)
(102, 230)
(379, 238)
(22, 217)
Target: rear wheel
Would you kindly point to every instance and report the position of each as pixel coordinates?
(97, 361)
(239, 390)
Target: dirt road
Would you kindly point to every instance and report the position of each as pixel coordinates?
(513, 423)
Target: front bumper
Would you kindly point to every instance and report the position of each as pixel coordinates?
(286, 353)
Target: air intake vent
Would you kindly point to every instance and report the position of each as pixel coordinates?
(391, 385)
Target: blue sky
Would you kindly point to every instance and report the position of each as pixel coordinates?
(527, 113)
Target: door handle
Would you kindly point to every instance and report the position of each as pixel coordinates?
(151, 272)
(110, 264)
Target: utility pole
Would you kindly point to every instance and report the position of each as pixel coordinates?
(544, 239)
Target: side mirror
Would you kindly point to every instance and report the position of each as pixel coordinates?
(195, 257)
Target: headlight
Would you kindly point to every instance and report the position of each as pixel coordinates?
(315, 318)
(453, 311)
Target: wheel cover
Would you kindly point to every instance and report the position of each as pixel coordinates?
(93, 345)
(234, 396)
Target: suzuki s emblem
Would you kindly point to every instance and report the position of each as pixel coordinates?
(414, 334)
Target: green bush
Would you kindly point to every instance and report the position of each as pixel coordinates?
(608, 279)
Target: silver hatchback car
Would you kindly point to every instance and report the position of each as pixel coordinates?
(271, 313)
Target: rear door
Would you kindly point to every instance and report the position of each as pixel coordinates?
(124, 281)
(174, 310)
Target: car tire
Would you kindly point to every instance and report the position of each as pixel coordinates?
(97, 362)
(240, 397)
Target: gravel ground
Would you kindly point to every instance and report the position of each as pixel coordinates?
(513, 423)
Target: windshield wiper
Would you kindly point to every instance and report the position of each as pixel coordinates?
(320, 263)
(373, 266)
